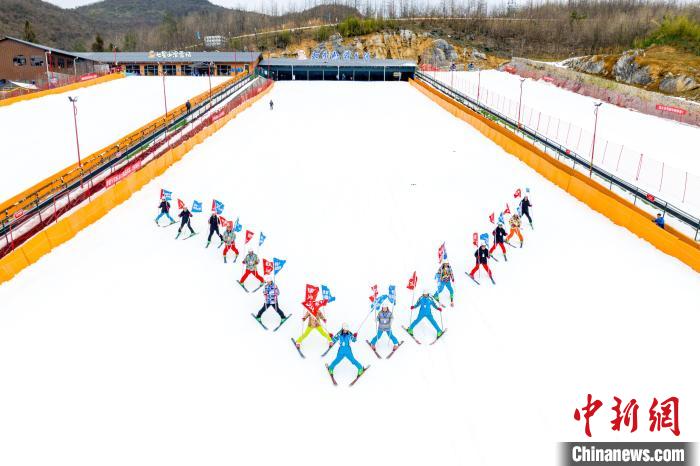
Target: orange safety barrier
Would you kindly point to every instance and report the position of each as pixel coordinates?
(63, 230)
(61, 89)
(619, 210)
(74, 172)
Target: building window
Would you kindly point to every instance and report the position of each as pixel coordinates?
(37, 61)
(133, 69)
(150, 70)
(61, 63)
(223, 70)
(186, 70)
(19, 60)
(170, 70)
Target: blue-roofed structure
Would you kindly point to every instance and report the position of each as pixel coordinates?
(284, 69)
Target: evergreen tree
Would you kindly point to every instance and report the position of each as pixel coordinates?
(29, 35)
(99, 44)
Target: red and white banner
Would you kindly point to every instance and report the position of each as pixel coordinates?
(180, 204)
(670, 109)
(548, 79)
(441, 253)
(507, 211)
(223, 221)
(492, 217)
(375, 293)
(412, 282)
(509, 69)
(517, 193)
(88, 76)
(475, 239)
(248, 236)
(114, 179)
(19, 214)
(267, 267)
(311, 293)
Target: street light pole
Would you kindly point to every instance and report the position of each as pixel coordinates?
(73, 100)
(75, 70)
(48, 78)
(478, 86)
(595, 129)
(520, 104)
(211, 65)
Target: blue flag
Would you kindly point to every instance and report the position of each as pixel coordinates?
(527, 190)
(377, 304)
(262, 239)
(484, 237)
(237, 226)
(196, 206)
(217, 206)
(326, 292)
(278, 264)
(166, 195)
(500, 218)
(392, 294)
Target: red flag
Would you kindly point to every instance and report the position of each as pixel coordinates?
(311, 293)
(650, 197)
(517, 193)
(412, 282)
(222, 221)
(248, 236)
(314, 306)
(475, 239)
(441, 253)
(507, 211)
(267, 267)
(180, 204)
(213, 206)
(375, 293)
(492, 217)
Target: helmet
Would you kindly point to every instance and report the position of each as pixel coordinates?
(344, 326)
(425, 292)
(385, 307)
(483, 244)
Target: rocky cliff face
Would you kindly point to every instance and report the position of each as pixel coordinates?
(657, 68)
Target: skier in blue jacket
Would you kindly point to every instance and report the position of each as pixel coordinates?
(425, 302)
(384, 319)
(344, 338)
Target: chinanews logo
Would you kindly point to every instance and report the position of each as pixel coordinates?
(660, 418)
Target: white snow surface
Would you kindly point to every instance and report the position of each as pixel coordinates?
(124, 346)
(39, 135)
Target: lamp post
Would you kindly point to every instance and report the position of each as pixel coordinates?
(47, 54)
(596, 107)
(211, 65)
(478, 85)
(520, 104)
(73, 101)
(75, 69)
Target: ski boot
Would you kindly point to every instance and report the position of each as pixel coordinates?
(439, 334)
(394, 348)
(359, 371)
(410, 331)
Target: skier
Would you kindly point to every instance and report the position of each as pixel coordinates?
(445, 280)
(344, 338)
(164, 210)
(515, 223)
(499, 235)
(188, 106)
(214, 228)
(272, 105)
(659, 220)
(185, 216)
(384, 319)
(314, 324)
(525, 209)
(251, 268)
(271, 293)
(425, 302)
(230, 241)
(482, 259)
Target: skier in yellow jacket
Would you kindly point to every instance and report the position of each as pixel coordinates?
(314, 324)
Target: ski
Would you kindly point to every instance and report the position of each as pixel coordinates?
(328, 369)
(243, 286)
(298, 349)
(394, 351)
(505, 257)
(492, 279)
(375, 351)
(191, 235)
(441, 335)
(258, 320)
(414, 338)
(473, 279)
(492, 257)
(364, 369)
(220, 244)
(166, 226)
(329, 348)
(260, 286)
(282, 322)
(178, 234)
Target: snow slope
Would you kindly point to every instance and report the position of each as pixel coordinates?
(140, 350)
(39, 136)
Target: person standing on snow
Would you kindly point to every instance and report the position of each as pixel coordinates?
(185, 216)
(314, 324)
(384, 319)
(660, 222)
(445, 280)
(214, 228)
(515, 223)
(525, 209)
(272, 105)
(229, 238)
(251, 268)
(425, 303)
(271, 293)
(164, 210)
(344, 338)
(482, 259)
(499, 237)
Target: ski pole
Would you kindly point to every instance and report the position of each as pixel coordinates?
(364, 320)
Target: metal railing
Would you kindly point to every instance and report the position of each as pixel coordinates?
(638, 194)
(82, 187)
